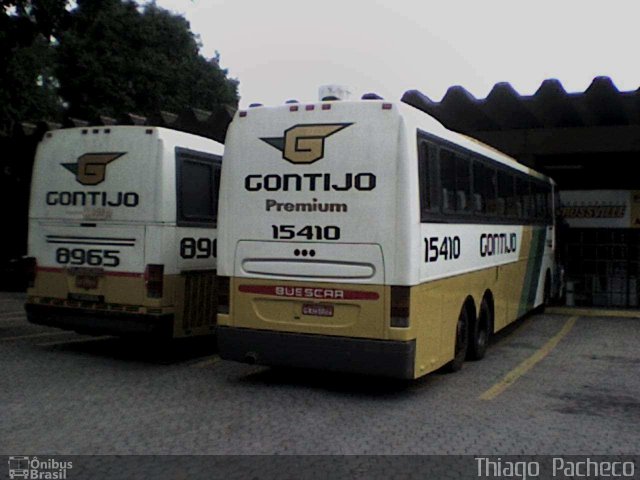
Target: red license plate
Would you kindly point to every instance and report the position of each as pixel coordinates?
(317, 310)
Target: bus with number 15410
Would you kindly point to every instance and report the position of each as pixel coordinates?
(363, 236)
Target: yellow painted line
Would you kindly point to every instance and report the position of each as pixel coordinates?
(206, 363)
(511, 377)
(75, 340)
(33, 335)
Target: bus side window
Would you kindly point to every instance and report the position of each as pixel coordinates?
(423, 176)
(455, 179)
(428, 176)
(448, 180)
(484, 188)
(217, 170)
(463, 184)
(549, 210)
(197, 182)
(479, 189)
(523, 190)
(428, 180)
(507, 193)
(541, 207)
(492, 191)
(531, 201)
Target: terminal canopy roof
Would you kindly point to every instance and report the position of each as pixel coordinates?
(587, 139)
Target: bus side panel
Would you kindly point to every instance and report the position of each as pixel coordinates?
(435, 307)
(548, 266)
(196, 299)
(188, 256)
(195, 303)
(514, 286)
(534, 275)
(427, 311)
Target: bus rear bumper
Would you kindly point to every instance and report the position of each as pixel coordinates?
(385, 358)
(95, 322)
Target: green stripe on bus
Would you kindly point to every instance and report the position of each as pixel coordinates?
(532, 276)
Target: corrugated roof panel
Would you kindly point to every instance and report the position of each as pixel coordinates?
(506, 108)
(602, 104)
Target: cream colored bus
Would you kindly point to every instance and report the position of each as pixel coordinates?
(122, 231)
(363, 236)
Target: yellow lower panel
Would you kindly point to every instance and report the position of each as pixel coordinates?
(436, 306)
(191, 296)
(303, 307)
(119, 289)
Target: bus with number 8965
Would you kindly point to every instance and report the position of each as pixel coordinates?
(122, 231)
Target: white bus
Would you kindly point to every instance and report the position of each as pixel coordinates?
(365, 237)
(122, 231)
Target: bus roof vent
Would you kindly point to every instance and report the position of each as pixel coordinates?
(371, 96)
(333, 92)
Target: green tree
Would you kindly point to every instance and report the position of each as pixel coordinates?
(116, 57)
(28, 89)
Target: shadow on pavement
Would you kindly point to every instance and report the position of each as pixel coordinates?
(139, 349)
(344, 383)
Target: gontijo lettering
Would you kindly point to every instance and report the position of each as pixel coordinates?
(93, 199)
(310, 181)
(497, 244)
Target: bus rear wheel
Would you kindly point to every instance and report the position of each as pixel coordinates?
(479, 338)
(462, 342)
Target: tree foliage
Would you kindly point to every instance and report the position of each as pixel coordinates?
(27, 58)
(102, 57)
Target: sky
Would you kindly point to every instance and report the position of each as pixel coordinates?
(287, 49)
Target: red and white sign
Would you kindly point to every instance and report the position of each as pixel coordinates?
(308, 292)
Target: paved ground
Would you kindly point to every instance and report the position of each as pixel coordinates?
(63, 393)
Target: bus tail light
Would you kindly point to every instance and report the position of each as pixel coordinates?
(400, 300)
(154, 280)
(223, 295)
(30, 267)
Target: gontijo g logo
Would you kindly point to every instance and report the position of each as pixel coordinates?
(304, 144)
(91, 168)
